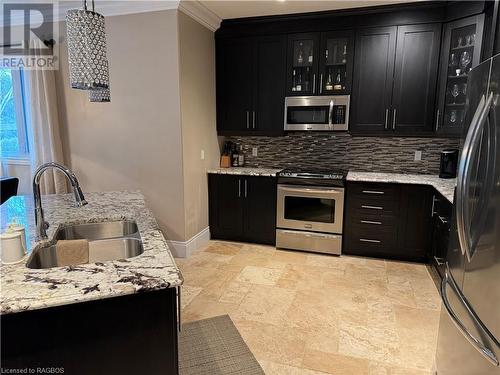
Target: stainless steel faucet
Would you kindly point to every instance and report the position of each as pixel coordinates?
(41, 224)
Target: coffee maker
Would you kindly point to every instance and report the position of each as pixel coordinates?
(448, 164)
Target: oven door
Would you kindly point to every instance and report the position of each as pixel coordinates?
(316, 209)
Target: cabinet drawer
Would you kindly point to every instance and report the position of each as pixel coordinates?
(370, 220)
(366, 207)
(375, 191)
(374, 234)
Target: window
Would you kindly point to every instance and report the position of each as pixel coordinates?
(13, 133)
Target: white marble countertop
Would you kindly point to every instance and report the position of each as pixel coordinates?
(444, 186)
(268, 172)
(29, 289)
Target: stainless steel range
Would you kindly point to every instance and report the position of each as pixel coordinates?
(310, 210)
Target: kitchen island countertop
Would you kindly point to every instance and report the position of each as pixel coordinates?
(445, 187)
(25, 289)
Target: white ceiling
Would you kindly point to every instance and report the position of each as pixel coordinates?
(244, 8)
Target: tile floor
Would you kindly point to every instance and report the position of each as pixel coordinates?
(312, 314)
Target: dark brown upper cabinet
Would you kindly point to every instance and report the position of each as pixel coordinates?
(395, 74)
(460, 52)
(250, 80)
(373, 76)
(335, 63)
(302, 64)
(319, 63)
(415, 77)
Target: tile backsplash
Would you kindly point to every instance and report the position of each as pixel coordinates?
(340, 150)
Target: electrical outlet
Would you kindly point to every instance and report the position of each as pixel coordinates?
(254, 151)
(418, 156)
(202, 155)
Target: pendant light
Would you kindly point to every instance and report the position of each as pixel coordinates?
(99, 96)
(88, 64)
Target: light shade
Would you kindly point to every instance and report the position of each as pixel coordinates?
(88, 64)
(99, 96)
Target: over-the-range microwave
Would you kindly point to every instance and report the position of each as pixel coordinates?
(324, 113)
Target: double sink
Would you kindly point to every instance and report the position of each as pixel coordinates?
(109, 240)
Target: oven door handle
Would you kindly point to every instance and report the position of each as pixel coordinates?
(317, 190)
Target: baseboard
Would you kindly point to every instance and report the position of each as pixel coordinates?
(183, 249)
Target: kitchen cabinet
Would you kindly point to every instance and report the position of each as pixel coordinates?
(415, 221)
(234, 84)
(460, 52)
(373, 75)
(302, 64)
(320, 63)
(250, 85)
(242, 208)
(388, 220)
(441, 226)
(96, 337)
(395, 72)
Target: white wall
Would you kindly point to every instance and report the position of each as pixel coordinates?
(134, 142)
(197, 92)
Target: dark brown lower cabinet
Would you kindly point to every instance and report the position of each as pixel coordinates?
(134, 334)
(242, 208)
(391, 221)
(441, 226)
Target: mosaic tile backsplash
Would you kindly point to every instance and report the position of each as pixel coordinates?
(340, 150)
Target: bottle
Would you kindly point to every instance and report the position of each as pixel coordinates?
(338, 81)
(298, 87)
(306, 79)
(294, 81)
(241, 157)
(300, 54)
(310, 58)
(235, 157)
(344, 55)
(329, 85)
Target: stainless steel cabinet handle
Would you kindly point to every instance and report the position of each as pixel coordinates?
(253, 119)
(248, 122)
(437, 120)
(439, 261)
(394, 119)
(371, 222)
(314, 83)
(372, 207)
(371, 241)
(373, 192)
(239, 188)
(386, 117)
(321, 83)
(478, 345)
(442, 219)
(433, 204)
(179, 309)
(246, 188)
(463, 184)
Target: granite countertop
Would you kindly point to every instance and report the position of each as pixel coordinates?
(444, 186)
(29, 289)
(268, 172)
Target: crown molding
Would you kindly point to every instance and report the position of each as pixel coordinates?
(200, 13)
(192, 8)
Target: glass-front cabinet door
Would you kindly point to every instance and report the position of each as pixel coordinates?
(460, 53)
(335, 64)
(302, 64)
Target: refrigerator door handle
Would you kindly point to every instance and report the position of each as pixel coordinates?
(478, 345)
(463, 180)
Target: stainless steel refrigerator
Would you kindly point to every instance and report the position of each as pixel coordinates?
(469, 327)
